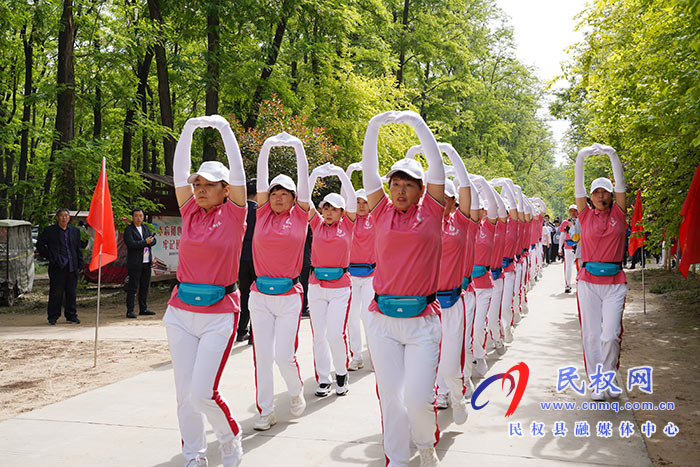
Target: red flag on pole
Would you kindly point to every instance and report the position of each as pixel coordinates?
(637, 235)
(101, 219)
(689, 234)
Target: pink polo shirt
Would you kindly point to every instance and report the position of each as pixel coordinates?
(210, 251)
(522, 237)
(509, 246)
(469, 250)
(603, 241)
(499, 241)
(455, 231)
(408, 247)
(363, 238)
(567, 235)
(331, 249)
(278, 244)
(482, 253)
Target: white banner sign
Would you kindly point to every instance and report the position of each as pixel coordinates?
(165, 253)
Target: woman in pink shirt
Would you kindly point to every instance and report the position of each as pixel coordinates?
(494, 312)
(403, 325)
(361, 269)
(276, 295)
(329, 283)
(203, 309)
(602, 286)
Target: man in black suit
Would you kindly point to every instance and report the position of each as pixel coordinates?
(60, 244)
(139, 241)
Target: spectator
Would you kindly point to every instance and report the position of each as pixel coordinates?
(555, 240)
(246, 271)
(60, 244)
(139, 241)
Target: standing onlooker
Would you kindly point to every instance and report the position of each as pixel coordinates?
(246, 271)
(555, 240)
(546, 238)
(60, 244)
(139, 241)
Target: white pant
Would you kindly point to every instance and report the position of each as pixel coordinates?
(483, 301)
(469, 312)
(517, 287)
(569, 268)
(449, 375)
(494, 314)
(507, 299)
(362, 295)
(600, 309)
(200, 344)
(328, 309)
(275, 320)
(405, 353)
(524, 279)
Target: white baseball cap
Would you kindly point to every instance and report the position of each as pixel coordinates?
(334, 199)
(573, 206)
(285, 181)
(603, 183)
(410, 167)
(212, 171)
(450, 188)
(361, 194)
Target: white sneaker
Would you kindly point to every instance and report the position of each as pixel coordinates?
(459, 411)
(500, 347)
(598, 396)
(356, 364)
(264, 422)
(197, 462)
(342, 385)
(508, 334)
(323, 390)
(297, 404)
(481, 367)
(469, 388)
(516, 316)
(428, 458)
(441, 401)
(232, 452)
(525, 309)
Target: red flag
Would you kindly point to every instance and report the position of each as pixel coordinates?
(689, 234)
(637, 235)
(101, 219)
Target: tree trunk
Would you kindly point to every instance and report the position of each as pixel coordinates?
(166, 112)
(97, 104)
(28, 44)
(402, 45)
(212, 77)
(65, 106)
(144, 133)
(273, 50)
(142, 69)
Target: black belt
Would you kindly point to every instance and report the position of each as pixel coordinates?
(230, 288)
(429, 299)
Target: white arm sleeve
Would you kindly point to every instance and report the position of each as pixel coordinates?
(476, 201)
(519, 198)
(499, 202)
(506, 190)
(354, 167)
(413, 151)
(263, 177)
(182, 163)
(370, 159)
(457, 163)
(436, 168)
(347, 190)
(235, 160)
(285, 139)
(620, 186)
(487, 192)
(579, 178)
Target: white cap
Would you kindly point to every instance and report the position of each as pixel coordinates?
(212, 171)
(410, 167)
(483, 203)
(603, 183)
(450, 188)
(285, 181)
(334, 199)
(361, 194)
(573, 206)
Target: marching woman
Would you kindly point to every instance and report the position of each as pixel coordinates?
(568, 245)
(203, 309)
(276, 295)
(458, 230)
(403, 325)
(329, 283)
(526, 257)
(494, 313)
(508, 264)
(602, 285)
(481, 275)
(361, 269)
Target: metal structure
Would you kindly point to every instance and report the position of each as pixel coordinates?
(16, 260)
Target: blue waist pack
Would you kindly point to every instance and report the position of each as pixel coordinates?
(479, 271)
(274, 285)
(202, 294)
(447, 298)
(602, 269)
(361, 269)
(506, 262)
(571, 242)
(496, 273)
(329, 274)
(403, 306)
(465, 282)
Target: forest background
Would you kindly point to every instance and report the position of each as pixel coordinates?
(83, 79)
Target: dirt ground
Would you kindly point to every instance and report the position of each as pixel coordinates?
(38, 372)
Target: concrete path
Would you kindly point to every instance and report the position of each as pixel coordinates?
(133, 422)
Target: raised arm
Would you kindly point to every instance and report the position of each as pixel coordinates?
(182, 163)
(507, 191)
(486, 192)
(348, 191)
(284, 139)
(579, 182)
(237, 191)
(462, 176)
(502, 213)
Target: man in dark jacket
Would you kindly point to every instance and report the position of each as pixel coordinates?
(60, 244)
(139, 241)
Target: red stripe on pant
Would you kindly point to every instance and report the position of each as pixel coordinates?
(215, 395)
(345, 334)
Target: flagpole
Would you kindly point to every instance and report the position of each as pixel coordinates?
(644, 290)
(99, 263)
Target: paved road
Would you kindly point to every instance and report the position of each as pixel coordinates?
(133, 422)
